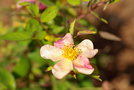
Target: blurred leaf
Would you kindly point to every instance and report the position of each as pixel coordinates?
(104, 20)
(86, 32)
(83, 22)
(24, 3)
(40, 35)
(7, 80)
(71, 29)
(60, 84)
(114, 1)
(109, 36)
(57, 29)
(16, 36)
(89, 88)
(2, 86)
(75, 76)
(87, 83)
(96, 71)
(3, 29)
(33, 25)
(35, 57)
(50, 38)
(47, 2)
(86, 0)
(33, 8)
(22, 67)
(49, 14)
(49, 68)
(96, 77)
(92, 28)
(97, 16)
(74, 2)
(72, 11)
(106, 5)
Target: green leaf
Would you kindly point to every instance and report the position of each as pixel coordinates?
(96, 77)
(35, 57)
(7, 80)
(95, 74)
(22, 68)
(15, 36)
(47, 2)
(104, 20)
(86, 32)
(49, 68)
(114, 1)
(71, 29)
(83, 22)
(74, 2)
(97, 16)
(2, 86)
(57, 29)
(49, 14)
(40, 35)
(33, 25)
(86, 0)
(62, 84)
(72, 11)
(33, 8)
(24, 3)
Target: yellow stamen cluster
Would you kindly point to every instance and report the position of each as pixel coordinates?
(70, 52)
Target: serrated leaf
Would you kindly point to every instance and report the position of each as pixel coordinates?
(86, 32)
(16, 36)
(74, 2)
(71, 29)
(109, 36)
(22, 67)
(49, 14)
(7, 80)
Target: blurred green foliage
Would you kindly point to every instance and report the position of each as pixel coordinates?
(21, 66)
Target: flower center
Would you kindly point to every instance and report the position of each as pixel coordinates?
(70, 52)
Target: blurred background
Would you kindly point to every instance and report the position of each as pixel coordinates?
(21, 66)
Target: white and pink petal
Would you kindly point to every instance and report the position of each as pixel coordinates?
(62, 68)
(65, 41)
(51, 52)
(83, 65)
(89, 53)
(85, 45)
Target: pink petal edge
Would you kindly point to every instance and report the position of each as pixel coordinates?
(66, 40)
(82, 64)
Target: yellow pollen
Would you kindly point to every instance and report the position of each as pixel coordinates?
(70, 52)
